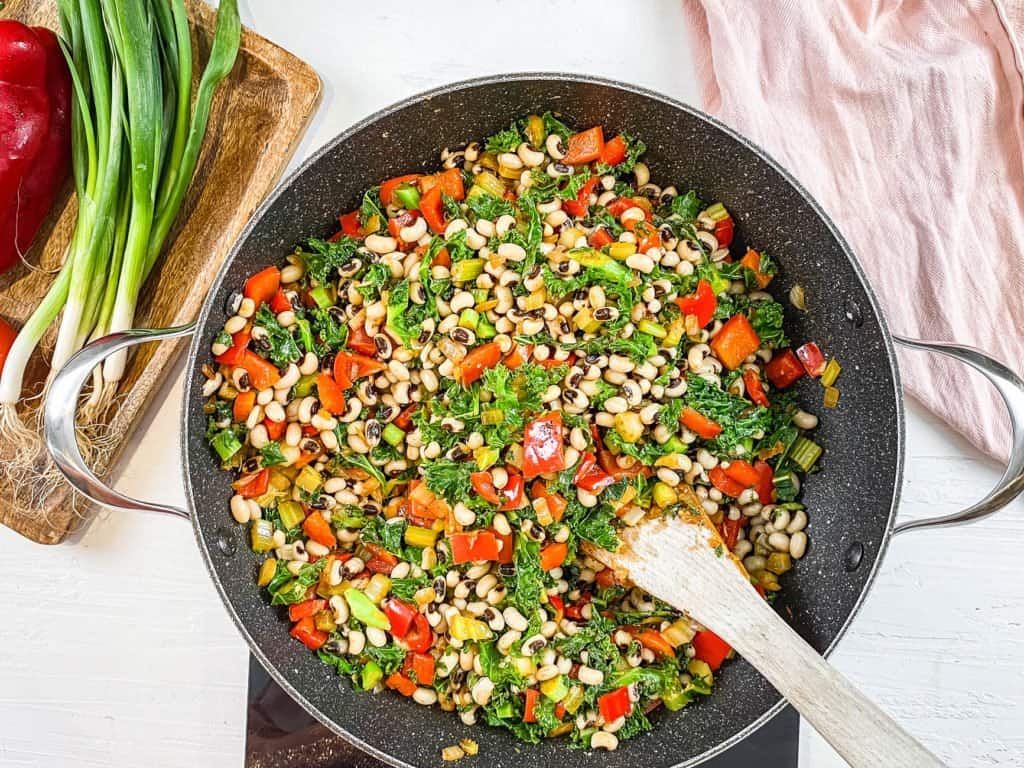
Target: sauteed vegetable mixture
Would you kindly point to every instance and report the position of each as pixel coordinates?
(430, 414)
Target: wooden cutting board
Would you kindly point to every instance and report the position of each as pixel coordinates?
(259, 114)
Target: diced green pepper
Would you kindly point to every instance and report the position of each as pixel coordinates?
(225, 444)
(485, 456)
(291, 514)
(392, 435)
(467, 269)
(321, 296)
(304, 386)
(364, 610)
(657, 330)
(371, 675)
(408, 196)
(484, 329)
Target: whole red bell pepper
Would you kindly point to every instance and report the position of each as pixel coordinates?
(35, 132)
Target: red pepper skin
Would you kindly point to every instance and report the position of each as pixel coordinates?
(813, 360)
(419, 638)
(7, 335)
(783, 369)
(299, 611)
(615, 704)
(578, 207)
(305, 631)
(724, 483)
(529, 715)
(600, 238)
(710, 648)
(252, 485)
(590, 477)
(475, 546)
(35, 133)
(543, 451)
(765, 482)
(401, 615)
(702, 304)
(724, 232)
(755, 389)
(614, 151)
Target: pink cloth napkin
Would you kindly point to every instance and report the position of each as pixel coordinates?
(904, 120)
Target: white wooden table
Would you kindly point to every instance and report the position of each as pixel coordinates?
(116, 651)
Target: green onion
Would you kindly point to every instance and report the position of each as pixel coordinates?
(392, 435)
(831, 373)
(467, 269)
(408, 196)
(804, 453)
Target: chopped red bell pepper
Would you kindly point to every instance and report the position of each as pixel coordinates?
(262, 374)
(543, 451)
(710, 648)
(575, 611)
(555, 501)
(305, 631)
(559, 606)
(419, 637)
(724, 483)
(262, 286)
(275, 429)
(450, 183)
(402, 220)
(730, 531)
(404, 420)
(743, 472)
(473, 546)
(585, 146)
(591, 477)
(253, 484)
(243, 405)
(381, 561)
(350, 224)
(724, 232)
(387, 189)
(783, 369)
(479, 360)
(483, 484)
(306, 608)
(280, 303)
(700, 424)
(520, 354)
(649, 238)
(599, 238)
(349, 368)
(432, 208)
(614, 151)
(530, 705)
(360, 341)
(401, 615)
(399, 682)
(755, 389)
(765, 482)
(236, 352)
(319, 530)
(735, 342)
(614, 705)
(813, 360)
(506, 546)
(701, 304)
(578, 207)
(332, 396)
(653, 640)
(512, 494)
(422, 666)
(553, 555)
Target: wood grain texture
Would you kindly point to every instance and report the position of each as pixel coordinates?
(715, 590)
(258, 116)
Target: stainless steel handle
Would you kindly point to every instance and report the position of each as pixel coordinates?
(62, 403)
(1011, 387)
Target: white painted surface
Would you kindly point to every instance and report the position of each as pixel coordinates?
(116, 651)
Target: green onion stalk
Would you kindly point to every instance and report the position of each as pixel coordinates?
(135, 144)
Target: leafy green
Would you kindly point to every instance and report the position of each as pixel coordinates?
(738, 418)
(670, 414)
(634, 148)
(451, 206)
(449, 479)
(390, 657)
(343, 664)
(282, 347)
(488, 206)
(332, 333)
(325, 256)
(373, 280)
(370, 207)
(636, 723)
(387, 533)
(687, 206)
(358, 459)
(593, 524)
(575, 183)
(271, 454)
(526, 586)
(405, 589)
(766, 317)
(504, 141)
(553, 125)
(294, 591)
(594, 637)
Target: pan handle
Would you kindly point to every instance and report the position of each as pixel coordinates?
(1011, 388)
(62, 403)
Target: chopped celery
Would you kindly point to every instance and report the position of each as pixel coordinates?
(603, 263)
(371, 675)
(309, 480)
(261, 535)
(291, 514)
(573, 699)
(485, 330)
(832, 370)
(408, 196)
(831, 399)
(657, 330)
(392, 435)
(804, 453)
(716, 212)
(556, 688)
(304, 386)
(584, 320)
(418, 536)
(467, 269)
(377, 588)
(480, 295)
(225, 444)
(321, 296)
(785, 484)
(469, 319)
(489, 183)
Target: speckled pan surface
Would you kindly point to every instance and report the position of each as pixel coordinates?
(851, 502)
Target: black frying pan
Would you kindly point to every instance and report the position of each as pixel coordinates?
(851, 504)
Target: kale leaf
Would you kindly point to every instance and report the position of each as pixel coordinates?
(283, 349)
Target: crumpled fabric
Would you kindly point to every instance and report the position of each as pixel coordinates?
(904, 120)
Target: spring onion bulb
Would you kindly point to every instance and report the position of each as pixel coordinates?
(136, 138)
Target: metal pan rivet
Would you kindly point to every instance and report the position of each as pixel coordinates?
(225, 542)
(853, 557)
(854, 314)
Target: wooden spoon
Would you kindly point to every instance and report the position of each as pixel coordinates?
(682, 561)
